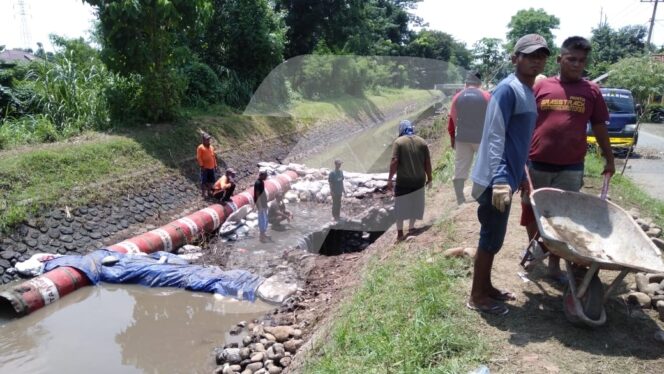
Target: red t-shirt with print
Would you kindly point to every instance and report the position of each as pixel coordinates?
(563, 110)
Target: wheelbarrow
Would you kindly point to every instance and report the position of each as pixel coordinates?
(591, 234)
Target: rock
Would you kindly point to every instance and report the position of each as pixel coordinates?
(245, 353)
(257, 357)
(232, 356)
(297, 333)
(639, 298)
(660, 309)
(293, 345)
(247, 371)
(460, 252)
(259, 347)
(281, 333)
(644, 223)
(254, 366)
(7, 255)
(655, 278)
(251, 326)
(260, 371)
(651, 288)
(227, 370)
(659, 243)
(654, 232)
(285, 361)
(634, 213)
(247, 340)
(4, 264)
(269, 337)
(274, 369)
(235, 330)
(641, 281)
(242, 324)
(236, 368)
(655, 299)
(279, 349)
(258, 330)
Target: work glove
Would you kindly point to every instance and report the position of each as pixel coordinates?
(502, 196)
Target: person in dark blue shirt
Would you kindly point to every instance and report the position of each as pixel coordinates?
(336, 181)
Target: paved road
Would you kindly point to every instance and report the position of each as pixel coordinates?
(646, 168)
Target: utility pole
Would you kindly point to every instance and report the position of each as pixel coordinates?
(652, 20)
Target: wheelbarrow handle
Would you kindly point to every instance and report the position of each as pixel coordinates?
(605, 187)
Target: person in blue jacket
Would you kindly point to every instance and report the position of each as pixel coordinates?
(499, 170)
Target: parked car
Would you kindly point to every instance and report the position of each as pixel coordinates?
(623, 115)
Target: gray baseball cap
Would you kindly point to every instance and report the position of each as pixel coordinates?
(530, 43)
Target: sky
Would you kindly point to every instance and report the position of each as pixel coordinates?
(466, 20)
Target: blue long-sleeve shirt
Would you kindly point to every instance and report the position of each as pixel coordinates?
(508, 129)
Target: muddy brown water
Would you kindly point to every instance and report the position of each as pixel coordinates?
(123, 329)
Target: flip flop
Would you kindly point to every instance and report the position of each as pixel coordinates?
(495, 309)
(504, 296)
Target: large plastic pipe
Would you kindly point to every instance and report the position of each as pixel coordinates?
(38, 292)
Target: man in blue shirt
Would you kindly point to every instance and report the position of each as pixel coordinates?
(499, 170)
(336, 181)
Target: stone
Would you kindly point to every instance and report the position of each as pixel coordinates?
(247, 340)
(260, 371)
(236, 368)
(247, 371)
(257, 357)
(660, 309)
(245, 353)
(659, 243)
(269, 337)
(639, 298)
(232, 355)
(285, 361)
(258, 330)
(297, 333)
(66, 238)
(641, 281)
(95, 235)
(5, 264)
(644, 223)
(259, 347)
(279, 349)
(273, 369)
(281, 333)
(251, 326)
(654, 232)
(66, 230)
(53, 233)
(651, 288)
(7, 255)
(293, 345)
(254, 366)
(655, 278)
(30, 243)
(235, 330)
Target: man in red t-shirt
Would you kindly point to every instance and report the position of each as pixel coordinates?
(465, 125)
(565, 104)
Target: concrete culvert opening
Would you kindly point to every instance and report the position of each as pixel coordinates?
(7, 311)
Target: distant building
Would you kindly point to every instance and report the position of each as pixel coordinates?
(16, 56)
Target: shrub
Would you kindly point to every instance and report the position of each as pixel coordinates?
(203, 85)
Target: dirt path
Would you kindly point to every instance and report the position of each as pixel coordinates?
(535, 337)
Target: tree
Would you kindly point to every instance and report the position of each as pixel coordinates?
(490, 59)
(534, 21)
(439, 45)
(246, 37)
(609, 46)
(140, 37)
(641, 75)
(348, 26)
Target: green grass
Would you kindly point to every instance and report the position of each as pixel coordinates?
(624, 191)
(351, 106)
(405, 318)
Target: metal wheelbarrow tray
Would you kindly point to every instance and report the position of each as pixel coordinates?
(594, 233)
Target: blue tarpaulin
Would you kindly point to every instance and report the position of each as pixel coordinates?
(149, 271)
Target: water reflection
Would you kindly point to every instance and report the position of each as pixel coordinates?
(122, 329)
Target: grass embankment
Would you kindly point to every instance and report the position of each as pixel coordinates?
(86, 168)
(624, 192)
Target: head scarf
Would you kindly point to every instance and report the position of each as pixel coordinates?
(406, 128)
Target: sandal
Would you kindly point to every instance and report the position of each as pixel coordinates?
(495, 309)
(504, 296)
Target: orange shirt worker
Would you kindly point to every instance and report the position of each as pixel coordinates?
(207, 160)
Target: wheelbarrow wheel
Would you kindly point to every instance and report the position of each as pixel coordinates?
(592, 303)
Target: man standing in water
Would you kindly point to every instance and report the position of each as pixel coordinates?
(499, 171)
(336, 181)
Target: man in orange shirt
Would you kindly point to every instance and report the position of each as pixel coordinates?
(207, 160)
(224, 187)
